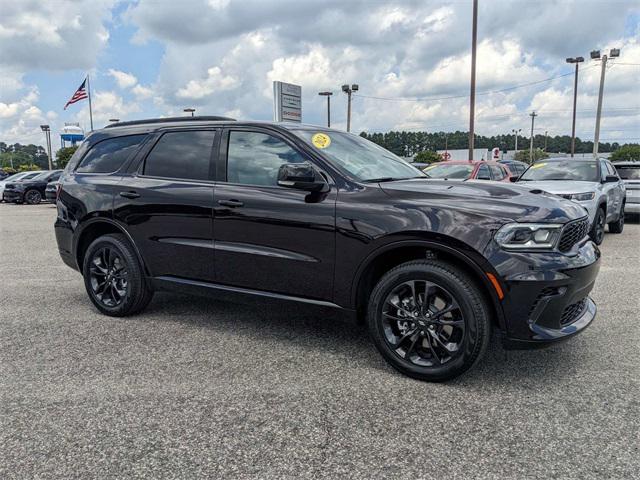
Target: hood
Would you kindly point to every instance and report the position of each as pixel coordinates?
(502, 201)
(561, 186)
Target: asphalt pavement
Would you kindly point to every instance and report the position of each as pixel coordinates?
(194, 388)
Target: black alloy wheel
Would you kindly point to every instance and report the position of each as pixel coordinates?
(32, 197)
(597, 230)
(429, 320)
(114, 277)
(108, 277)
(423, 323)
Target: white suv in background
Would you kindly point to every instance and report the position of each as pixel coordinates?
(594, 184)
(629, 172)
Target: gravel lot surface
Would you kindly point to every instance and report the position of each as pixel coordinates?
(195, 388)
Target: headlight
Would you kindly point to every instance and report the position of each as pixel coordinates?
(528, 236)
(583, 197)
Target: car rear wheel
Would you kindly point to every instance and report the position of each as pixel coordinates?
(114, 278)
(618, 225)
(429, 320)
(32, 197)
(597, 229)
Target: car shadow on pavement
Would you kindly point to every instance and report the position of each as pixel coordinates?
(331, 331)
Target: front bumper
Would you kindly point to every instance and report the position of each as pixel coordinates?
(12, 195)
(547, 294)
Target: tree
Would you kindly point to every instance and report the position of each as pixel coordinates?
(427, 156)
(64, 155)
(28, 167)
(626, 153)
(523, 155)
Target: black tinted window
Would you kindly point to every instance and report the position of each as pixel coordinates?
(629, 172)
(483, 173)
(181, 155)
(254, 158)
(109, 155)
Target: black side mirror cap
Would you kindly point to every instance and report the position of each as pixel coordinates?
(513, 178)
(302, 176)
(610, 179)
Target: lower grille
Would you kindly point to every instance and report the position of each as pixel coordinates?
(571, 313)
(572, 233)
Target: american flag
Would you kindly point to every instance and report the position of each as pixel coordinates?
(80, 94)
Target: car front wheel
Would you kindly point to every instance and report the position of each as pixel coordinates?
(429, 320)
(597, 229)
(32, 197)
(114, 278)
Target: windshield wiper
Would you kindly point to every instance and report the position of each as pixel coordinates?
(381, 179)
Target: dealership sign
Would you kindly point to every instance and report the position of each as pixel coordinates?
(287, 102)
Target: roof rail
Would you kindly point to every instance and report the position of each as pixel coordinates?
(206, 118)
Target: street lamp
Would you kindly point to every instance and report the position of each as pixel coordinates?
(349, 90)
(516, 132)
(190, 110)
(47, 133)
(595, 55)
(328, 95)
(577, 61)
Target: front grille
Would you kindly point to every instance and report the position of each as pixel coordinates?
(571, 313)
(572, 233)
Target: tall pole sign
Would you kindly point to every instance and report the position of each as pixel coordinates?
(287, 102)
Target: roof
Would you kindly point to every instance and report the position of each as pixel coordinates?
(181, 120)
(564, 159)
(465, 162)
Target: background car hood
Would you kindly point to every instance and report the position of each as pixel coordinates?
(562, 186)
(502, 201)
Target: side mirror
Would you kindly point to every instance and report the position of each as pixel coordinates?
(514, 178)
(301, 176)
(610, 179)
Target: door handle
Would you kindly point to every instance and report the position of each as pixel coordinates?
(130, 194)
(231, 203)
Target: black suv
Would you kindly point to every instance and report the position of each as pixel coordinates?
(287, 212)
(31, 191)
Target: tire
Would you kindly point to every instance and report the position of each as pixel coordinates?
(419, 355)
(114, 278)
(618, 225)
(597, 229)
(32, 197)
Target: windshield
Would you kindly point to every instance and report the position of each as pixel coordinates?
(362, 159)
(40, 176)
(628, 172)
(449, 170)
(562, 170)
(15, 176)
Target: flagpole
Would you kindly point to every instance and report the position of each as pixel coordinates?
(89, 94)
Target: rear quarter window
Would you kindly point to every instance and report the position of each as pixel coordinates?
(108, 155)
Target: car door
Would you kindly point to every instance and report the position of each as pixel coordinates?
(268, 237)
(618, 190)
(610, 190)
(166, 203)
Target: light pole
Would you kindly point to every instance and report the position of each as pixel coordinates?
(595, 55)
(349, 90)
(472, 99)
(577, 61)
(328, 95)
(546, 133)
(47, 133)
(190, 110)
(533, 116)
(516, 133)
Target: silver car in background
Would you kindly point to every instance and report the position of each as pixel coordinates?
(592, 183)
(629, 172)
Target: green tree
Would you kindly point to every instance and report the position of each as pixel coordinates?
(626, 153)
(427, 156)
(64, 155)
(523, 155)
(28, 167)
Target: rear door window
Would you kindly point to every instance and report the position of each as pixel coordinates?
(109, 155)
(181, 155)
(496, 173)
(483, 173)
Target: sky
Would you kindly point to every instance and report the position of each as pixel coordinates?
(411, 60)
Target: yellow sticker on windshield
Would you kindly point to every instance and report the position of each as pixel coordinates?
(538, 165)
(321, 140)
(429, 168)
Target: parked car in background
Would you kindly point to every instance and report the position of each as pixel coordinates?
(516, 167)
(3, 174)
(594, 184)
(283, 212)
(629, 172)
(17, 177)
(31, 190)
(463, 170)
(51, 191)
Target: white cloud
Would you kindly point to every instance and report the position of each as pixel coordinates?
(141, 92)
(216, 81)
(123, 79)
